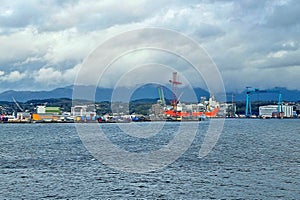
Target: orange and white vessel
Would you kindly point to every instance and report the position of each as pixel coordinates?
(181, 111)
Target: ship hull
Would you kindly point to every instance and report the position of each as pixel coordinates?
(209, 114)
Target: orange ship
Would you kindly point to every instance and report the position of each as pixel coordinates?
(209, 114)
(207, 109)
(178, 111)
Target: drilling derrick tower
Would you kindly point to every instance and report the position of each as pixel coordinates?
(175, 82)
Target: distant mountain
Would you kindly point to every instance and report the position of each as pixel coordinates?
(185, 94)
(148, 91)
(287, 95)
(24, 96)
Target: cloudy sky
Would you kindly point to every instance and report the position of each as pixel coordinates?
(253, 42)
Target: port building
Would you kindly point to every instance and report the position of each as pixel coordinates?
(83, 112)
(46, 114)
(270, 110)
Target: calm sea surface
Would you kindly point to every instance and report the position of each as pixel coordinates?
(253, 159)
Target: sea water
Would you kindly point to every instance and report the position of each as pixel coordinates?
(252, 159)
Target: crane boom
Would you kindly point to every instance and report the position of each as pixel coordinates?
(17, 104)
(161, 95)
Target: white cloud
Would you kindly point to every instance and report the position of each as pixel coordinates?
(55, 77)
(48, 76)
(12, 76)
(278, 54)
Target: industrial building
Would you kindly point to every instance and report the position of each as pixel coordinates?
(46, 114)
(269, 110)
(83, 112)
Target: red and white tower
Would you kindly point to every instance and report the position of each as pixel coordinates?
(175, 82)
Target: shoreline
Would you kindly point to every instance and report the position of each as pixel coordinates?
(148, 121)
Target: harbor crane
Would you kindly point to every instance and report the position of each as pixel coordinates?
(251, 91)
(162, 100)
(18, 105)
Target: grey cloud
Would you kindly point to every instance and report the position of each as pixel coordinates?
(208, 30)
(285, 16)
(18, 14)
(96, 15)
(251, 37)
(291, 59)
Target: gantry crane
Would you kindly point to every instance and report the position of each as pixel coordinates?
(250, 91)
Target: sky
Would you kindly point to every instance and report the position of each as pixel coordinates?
(44, 44)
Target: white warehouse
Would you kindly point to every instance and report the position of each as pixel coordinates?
(266, 111)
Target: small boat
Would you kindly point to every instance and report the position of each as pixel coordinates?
(203, 118)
